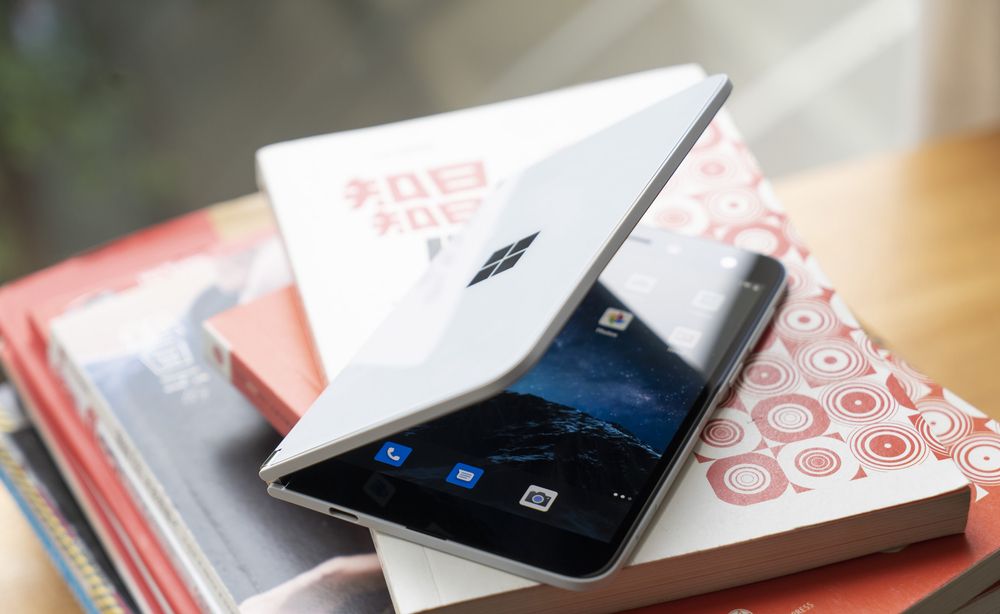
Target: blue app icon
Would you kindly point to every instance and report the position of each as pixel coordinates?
(464, 475)
(393, 453)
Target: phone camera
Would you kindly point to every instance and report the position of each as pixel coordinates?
(538, 498)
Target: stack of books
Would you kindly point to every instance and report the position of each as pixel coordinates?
(150, 378)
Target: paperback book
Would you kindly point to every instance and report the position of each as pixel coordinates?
(34, 482)
(822, 427)
(141, 560)
(934, 575)
(186, 445)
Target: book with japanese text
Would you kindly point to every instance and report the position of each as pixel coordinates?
(362, 212)
(824, 438)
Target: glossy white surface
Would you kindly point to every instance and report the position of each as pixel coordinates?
(447, 344)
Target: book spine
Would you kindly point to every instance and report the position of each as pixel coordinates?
(236, 371)
(146, 491)
(85, 579)
(130, 567)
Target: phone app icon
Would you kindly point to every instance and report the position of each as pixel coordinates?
(393, 453)
(538, 498)
(684, 338)
(618, 319)
(464, 475)
(708, 300)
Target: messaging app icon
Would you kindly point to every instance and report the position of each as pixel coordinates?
(393, 453)
(464, 475)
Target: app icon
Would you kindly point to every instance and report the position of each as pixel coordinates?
(538, 498)
(393, 453)
(464, 475)
(684, 337)
(708, 300)
(618, 319)
(637, 282)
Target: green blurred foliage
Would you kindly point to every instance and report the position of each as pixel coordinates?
(68, 134)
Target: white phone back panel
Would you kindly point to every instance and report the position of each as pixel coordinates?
(463, 334)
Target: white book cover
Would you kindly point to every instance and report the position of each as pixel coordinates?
(820, 427)
(366, 209)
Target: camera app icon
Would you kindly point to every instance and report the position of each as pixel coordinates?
(538, 498)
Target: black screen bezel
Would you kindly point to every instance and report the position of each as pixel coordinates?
(441, 515)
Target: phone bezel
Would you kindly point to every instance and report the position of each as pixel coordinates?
(540, 551)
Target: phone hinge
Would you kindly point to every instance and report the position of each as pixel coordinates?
(269, 457)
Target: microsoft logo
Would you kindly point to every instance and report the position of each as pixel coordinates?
(503, 259)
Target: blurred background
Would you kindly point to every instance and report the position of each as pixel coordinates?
(117, 115)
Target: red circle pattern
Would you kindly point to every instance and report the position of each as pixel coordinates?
(888, 446)
(722, 433)
(758, 238)
(831, 360)
(978, 457)
(747, 479)
(790, 417)
(735, 206)
(768, 375)
(859, 403)
(942, 425)
(711, 167)
(817, 462)
(806, 319)
(730, 432)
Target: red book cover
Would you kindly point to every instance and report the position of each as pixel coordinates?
(277, 372)
(24, 356)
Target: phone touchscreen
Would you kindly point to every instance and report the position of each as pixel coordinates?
(578, 443)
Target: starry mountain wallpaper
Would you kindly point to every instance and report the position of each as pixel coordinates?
(595, 412)
(631, 381)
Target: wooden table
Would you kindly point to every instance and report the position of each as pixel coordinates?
(28, 580)
(911, 240)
